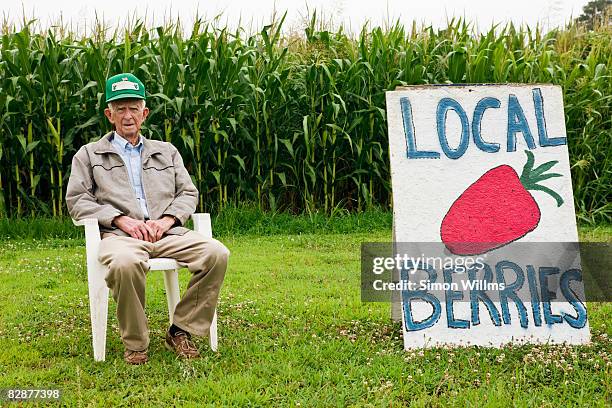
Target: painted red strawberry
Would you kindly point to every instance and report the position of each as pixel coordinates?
(496, 209)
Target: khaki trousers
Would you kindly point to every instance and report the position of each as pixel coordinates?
(126, 259)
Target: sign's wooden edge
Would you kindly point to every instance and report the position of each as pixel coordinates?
(428, 86)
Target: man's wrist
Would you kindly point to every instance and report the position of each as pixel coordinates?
(114, 221)
(175, 221)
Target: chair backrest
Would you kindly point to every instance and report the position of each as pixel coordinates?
(202, 224)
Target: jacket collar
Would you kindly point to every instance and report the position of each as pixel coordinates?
(104, 145)
(118, 140)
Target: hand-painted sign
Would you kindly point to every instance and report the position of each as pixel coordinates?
(483, 170)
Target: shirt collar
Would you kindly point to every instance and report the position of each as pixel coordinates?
(124, 143)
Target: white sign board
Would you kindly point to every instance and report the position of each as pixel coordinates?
(483, 171)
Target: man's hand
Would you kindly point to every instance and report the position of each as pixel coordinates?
(135, 228)
(159, 227)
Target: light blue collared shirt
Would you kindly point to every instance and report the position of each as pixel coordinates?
(133, 162)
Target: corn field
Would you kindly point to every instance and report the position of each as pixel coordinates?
(287, 122)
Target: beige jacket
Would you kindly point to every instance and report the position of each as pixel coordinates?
(99, 185)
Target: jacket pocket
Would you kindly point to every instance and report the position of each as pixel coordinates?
(110, 179)
(159, 178)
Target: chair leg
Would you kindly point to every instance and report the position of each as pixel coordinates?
(212, 334)
(173, 293)
(98, 309)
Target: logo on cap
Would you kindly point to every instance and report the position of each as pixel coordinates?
(124, 84)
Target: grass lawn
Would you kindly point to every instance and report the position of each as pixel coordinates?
(292, 331)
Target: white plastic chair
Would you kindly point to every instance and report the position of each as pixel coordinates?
(99, 292)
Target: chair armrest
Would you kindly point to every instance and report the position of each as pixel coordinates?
(202, 224)
(92, 240)
(92, 229)
(85, 222)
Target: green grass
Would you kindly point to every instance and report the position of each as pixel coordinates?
(233, 220)
(247, 219)
(292, 329)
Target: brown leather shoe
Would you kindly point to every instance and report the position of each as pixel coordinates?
(135, 357)
(182, 345)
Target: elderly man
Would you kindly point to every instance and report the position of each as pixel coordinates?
(141, 194)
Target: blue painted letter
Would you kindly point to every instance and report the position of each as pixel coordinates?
(422, 295)
(535, 299)
(477, 294)
(444, 106)
(451, 295)
(483, 104)
(517, 123)
(411, 146)
(580, 320)
(548, 296)
(538, 103)
(510, 291)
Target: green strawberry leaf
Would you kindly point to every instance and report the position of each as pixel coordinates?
(528, 167)
(544, 167)
(531, 177)
(547, 176)
(547, 190)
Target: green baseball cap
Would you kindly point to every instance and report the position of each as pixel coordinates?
(124, 86)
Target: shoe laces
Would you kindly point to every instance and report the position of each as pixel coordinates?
(184, 341)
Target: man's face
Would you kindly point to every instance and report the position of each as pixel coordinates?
(127, 115)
